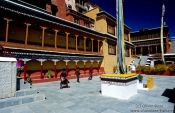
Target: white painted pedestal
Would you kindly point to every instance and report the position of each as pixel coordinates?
(117, 88)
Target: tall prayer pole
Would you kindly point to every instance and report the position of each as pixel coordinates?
(161, 33)
(120, 40)
(121, 85)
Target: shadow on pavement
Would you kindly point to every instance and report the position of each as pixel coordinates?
(170, 93)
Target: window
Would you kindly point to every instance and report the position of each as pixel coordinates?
(69, 6)
(87, 24)
(111, 29)
(54, 9)
(81, 10)
(111, 49)
(76, 20)
(126, 37)
(127, 52)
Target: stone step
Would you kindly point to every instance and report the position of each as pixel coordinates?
(21, 84)
(26, 92)
(21, 100)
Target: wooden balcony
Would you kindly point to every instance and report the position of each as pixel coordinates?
(47, 49)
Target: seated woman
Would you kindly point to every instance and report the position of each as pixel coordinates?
(64, 82)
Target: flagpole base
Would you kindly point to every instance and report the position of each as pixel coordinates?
(120, 86)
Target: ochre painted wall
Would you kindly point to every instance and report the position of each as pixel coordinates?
(101, 25)
(93, 13)
(109, 61)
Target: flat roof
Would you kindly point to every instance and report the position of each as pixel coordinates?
(111, 17)
(147, 29)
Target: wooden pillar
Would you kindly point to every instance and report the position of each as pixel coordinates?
(148, 50)
(91, 68)
(130, 52)
(92, 45)
(67, 68)
(41, 70)
(76, 62)
(43, 33)
(98, 46)
(7, 29)
(55, 69)
(141, 50)
(85, 44)
(25, 69)
(156, 49)
(56, 31)
(27, 32)
(98, 67)
(76, 42)
(84, 68)
(67, 40)
(135, 51)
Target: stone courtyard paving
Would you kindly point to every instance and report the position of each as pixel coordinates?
(84, 97)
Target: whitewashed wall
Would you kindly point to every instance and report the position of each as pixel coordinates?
(7, 79)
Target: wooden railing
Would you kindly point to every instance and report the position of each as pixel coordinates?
(36, 47)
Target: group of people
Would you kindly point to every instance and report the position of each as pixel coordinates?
(64, 81)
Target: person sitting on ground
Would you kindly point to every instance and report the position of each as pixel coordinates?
(64, 81)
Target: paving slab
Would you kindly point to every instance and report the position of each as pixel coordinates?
(84, 97)
(110, 111)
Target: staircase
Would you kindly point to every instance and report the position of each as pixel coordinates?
(22, 97)
(148, 63)
(24, 94)
(143, 60)
(136, 61)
